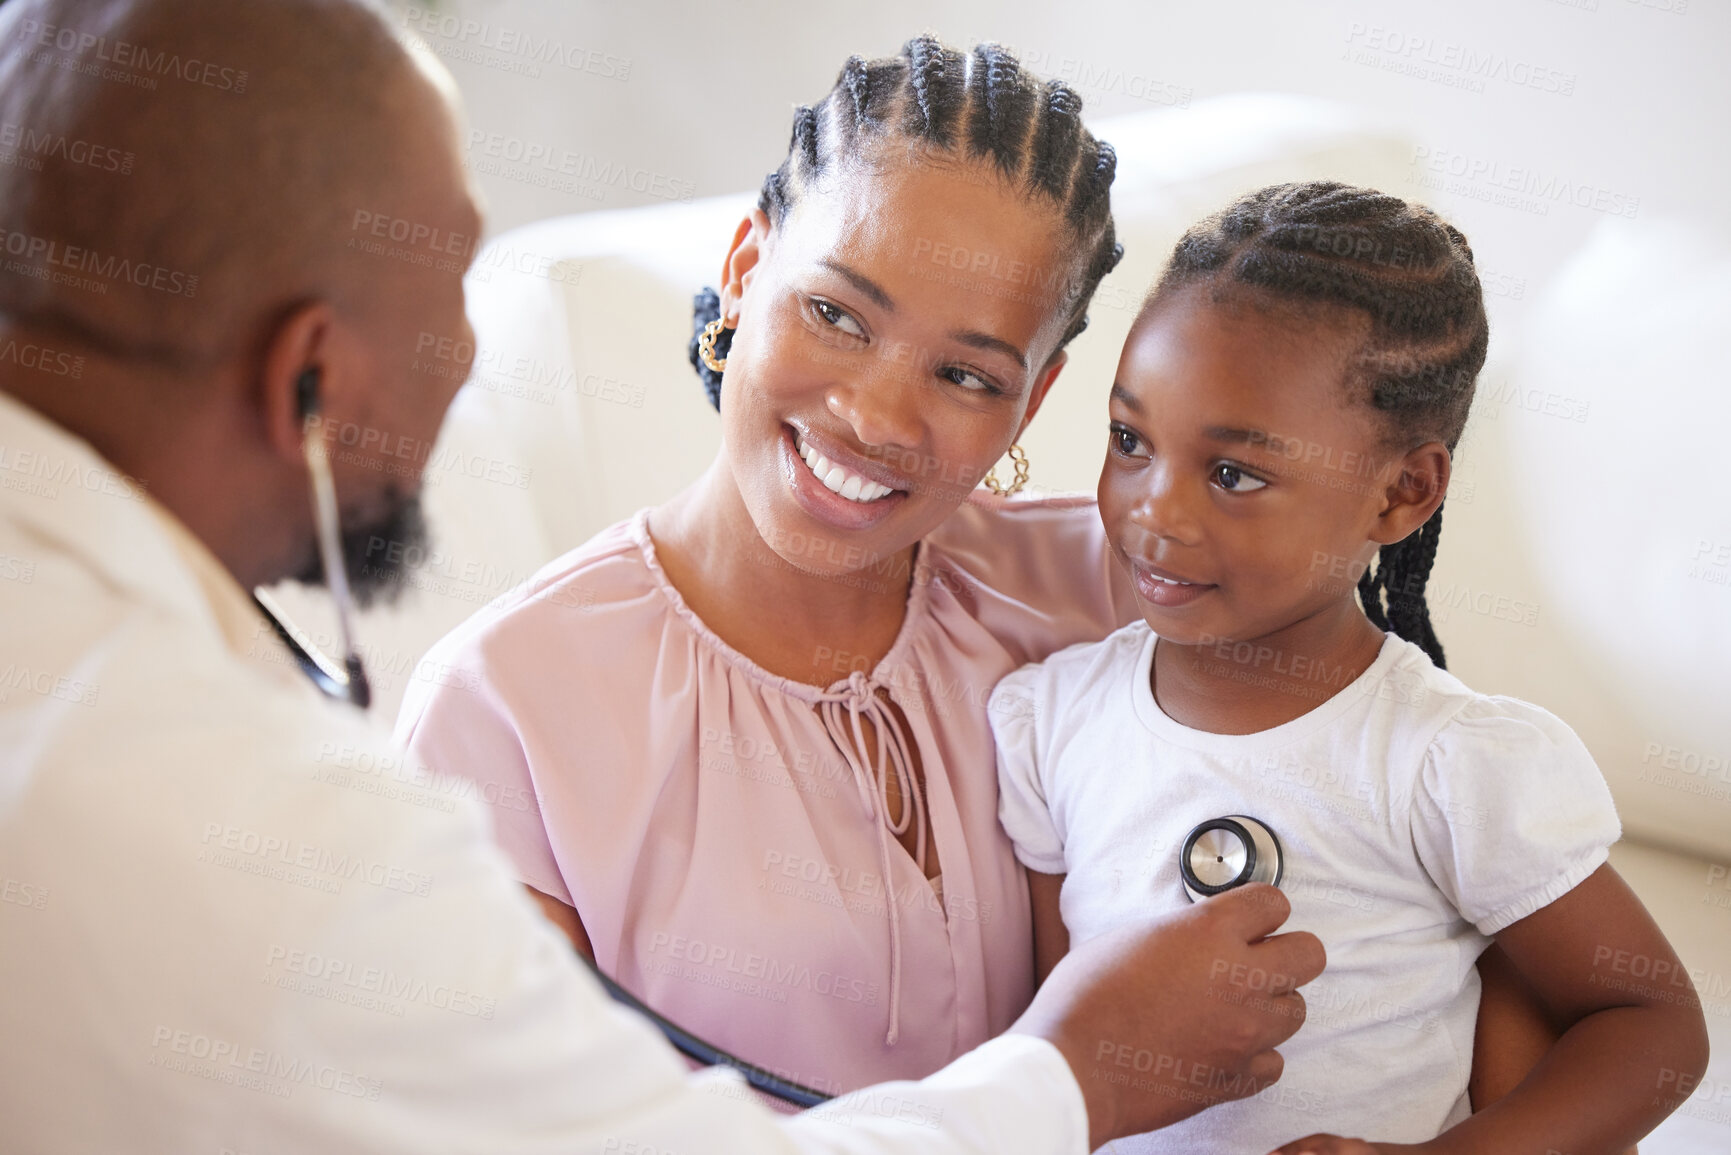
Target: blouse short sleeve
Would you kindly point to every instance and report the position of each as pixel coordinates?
(461, 732)
(1022, 807)
(1510, 812)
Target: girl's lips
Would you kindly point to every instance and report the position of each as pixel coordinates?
(1161, 588)
(822, 503)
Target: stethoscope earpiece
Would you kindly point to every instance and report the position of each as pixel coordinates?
(1225, 853)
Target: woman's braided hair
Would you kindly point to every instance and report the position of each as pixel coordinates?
(1328, 243)
(978, 106)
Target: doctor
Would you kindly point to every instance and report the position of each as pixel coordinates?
(215, 936)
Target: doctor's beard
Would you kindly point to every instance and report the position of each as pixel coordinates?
(379, 553)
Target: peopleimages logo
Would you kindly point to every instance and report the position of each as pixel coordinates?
(255, 1068)
(79, 259)
(1515, 186)
(21, 140)
(125, 55)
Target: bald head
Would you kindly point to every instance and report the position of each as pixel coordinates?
(206, 205)
(181, 169)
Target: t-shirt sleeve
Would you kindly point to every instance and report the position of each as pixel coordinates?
(460, 735)
(1022, 807)
(1510, 812)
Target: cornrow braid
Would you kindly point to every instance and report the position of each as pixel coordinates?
(1329, 243)
(980, 105)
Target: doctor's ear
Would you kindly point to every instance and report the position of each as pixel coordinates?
(295, 376)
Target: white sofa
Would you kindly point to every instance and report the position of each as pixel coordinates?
(583, 409)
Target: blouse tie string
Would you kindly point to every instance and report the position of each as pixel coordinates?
(845, 711)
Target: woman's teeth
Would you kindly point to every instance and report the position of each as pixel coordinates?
(838, 480)
(1169, 581)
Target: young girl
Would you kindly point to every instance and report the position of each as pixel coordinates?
(1284, 414)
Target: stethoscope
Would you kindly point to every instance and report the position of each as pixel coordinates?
(346, 680)
(1225, 853)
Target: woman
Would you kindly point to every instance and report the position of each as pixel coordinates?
(753, 717)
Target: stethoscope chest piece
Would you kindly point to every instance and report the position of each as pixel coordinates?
(1224, 853)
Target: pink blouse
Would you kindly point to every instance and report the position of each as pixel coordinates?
(713, 824)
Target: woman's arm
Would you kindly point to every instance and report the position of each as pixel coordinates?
(1636, 1034)
(565, 918)
(1051, 939)
(1514, 1030)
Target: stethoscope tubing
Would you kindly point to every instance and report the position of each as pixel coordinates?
(708, 1054)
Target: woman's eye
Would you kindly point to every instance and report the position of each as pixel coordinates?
(967, 379)
(837, 318)
(1235, 480)
(1124, 441)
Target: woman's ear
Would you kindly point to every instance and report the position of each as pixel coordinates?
(1420, 482)
(1042, 385)
(743, 256)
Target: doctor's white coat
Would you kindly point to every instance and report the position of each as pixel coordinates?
(232, 920)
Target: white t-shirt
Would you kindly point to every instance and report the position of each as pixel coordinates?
(1416, 818)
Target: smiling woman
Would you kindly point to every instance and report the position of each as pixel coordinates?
(794, 850)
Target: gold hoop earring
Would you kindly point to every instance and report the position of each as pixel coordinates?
(1019, 458)
(706, 345)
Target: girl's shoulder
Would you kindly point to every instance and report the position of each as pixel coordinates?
(1460, 724)
(1076, 673)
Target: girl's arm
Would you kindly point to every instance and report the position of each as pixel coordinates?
(1636, 1034)
(1051, 940)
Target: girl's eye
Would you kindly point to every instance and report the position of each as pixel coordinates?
(968, 379)
(1124, 440)
(837, 318)
(1235, 480)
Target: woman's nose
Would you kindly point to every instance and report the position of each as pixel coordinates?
(883, 405)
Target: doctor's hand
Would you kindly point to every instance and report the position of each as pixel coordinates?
(1164, 1018)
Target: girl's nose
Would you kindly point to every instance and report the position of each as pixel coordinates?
(1167, 508)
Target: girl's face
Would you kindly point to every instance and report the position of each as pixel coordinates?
(896, 333)
(1244, 488)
